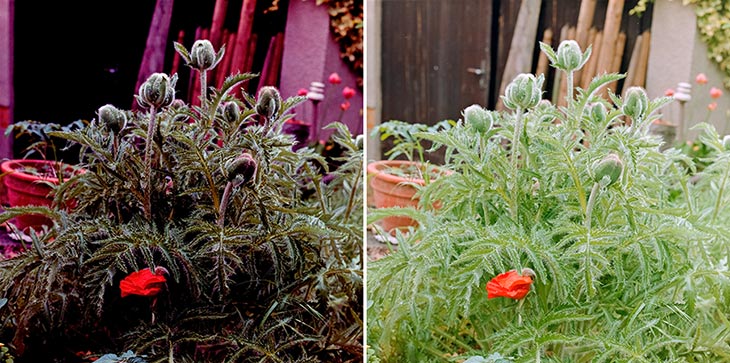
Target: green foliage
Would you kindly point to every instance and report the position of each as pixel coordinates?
(38, 137)
(267, 270)
(634, 270)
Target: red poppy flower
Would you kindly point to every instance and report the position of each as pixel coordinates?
(510, 284)
(344, 106)
(335, 78)
(302, 92)
(143, 282)
(712, 106)
(348, 93)
(669, 92)
(715, 92)
(701, 78)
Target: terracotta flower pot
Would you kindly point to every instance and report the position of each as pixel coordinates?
(27, 188)
(395, 190)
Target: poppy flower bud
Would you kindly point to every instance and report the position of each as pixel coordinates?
(726, 142)
(598, 113)
(609, 167)
(569, 55)
(202, 55)
(525, 91)
(268, 102)
(359, 141)
(479, 118)
(157, 91)
(231, 112)
(242, 169)
(636, 102)
(114, 118)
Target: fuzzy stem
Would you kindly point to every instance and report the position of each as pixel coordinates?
(203, 89)
(515, 148)
(224, 204)
(569, 83)
(351, 201)
(148, 163)
(591, 203)
(720, 193)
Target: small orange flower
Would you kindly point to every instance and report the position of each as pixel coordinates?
(669, 92)
(712, 106)
(510, 284)
(701, 78)
(715, 92)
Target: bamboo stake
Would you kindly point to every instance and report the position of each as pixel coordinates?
(216, 27)
(225, 65)
(633, 63)
(583, 30)
(153, 59)
(542, 60)
(243, 36)
(643, 60)
(610, 35)
(590, 68)
(618, 55)
(176, 56)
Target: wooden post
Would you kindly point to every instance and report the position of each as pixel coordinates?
(633, 63)
(610, 35)
(153, 59)
(243, 36)
(272, 63)
(7, 14)
(582, 34)
(519, 59)
(216, 27)
(176, 57)
(618, 55)
(542, 60)
(224, 67)
(643, 60)
(589, 69)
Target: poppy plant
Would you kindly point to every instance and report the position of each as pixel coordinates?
(143, 282)
(510, 284)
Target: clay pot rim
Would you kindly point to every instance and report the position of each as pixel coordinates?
(377, 168)
(10, 167)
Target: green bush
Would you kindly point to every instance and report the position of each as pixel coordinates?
(630, 253)
(263, 255)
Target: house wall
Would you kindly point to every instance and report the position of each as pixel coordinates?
(678, 55)
(310, 55)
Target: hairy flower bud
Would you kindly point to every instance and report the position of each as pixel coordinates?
(231, 112)
(479, 118)
(525, 91)
(114, 118)
(609, 167)
(598, 112)
(202, 55)
(726, 142)
(242, 169)
(359, 141)
(157, 91)
(268, 102)
(636, 102)
(569, 55)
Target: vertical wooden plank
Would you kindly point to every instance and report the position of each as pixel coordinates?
(583, 36)
(618, 56)
(243, 36)
(153, 59)
(640, 79)
(611, 28)
(216, 27)
(542, 60)
(633, 63)
(176, 56)
(7, 15)
(272, 62)
(519, 59)
(589, 70)
(225, 66)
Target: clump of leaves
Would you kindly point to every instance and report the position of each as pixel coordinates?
(37, 135)
(258, 270)
(629, 253)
